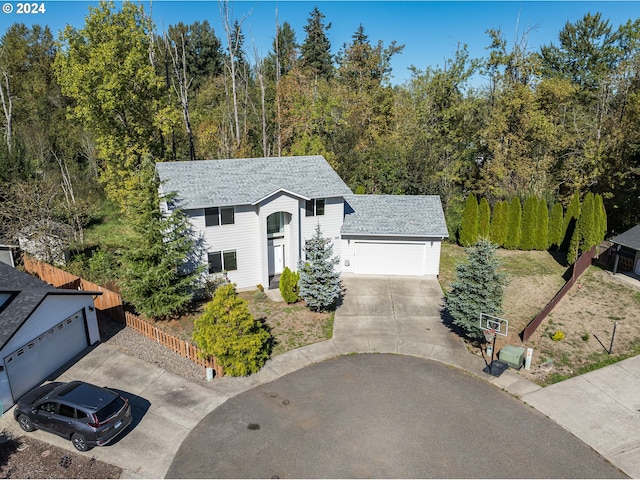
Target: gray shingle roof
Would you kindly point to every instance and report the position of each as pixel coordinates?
(630, 238)
(28, 292)
(212, 183)
(397, 215)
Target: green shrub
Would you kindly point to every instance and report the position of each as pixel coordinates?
(229, 332)
(289, 285)
(469, 227)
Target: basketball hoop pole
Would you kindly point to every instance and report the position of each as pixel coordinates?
(494, 326)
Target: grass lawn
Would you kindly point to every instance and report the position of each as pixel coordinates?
(585, 316)
(291, 326)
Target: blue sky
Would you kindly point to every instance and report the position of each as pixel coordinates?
(429, 30)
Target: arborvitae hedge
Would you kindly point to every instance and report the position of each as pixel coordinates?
(484, 219)
(469, 227)
(529, 224)
(556, 227)
(542, 232)
(499, 221)
(514, 225)
(570, 219)
(601, 215)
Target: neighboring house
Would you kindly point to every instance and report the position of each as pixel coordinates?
(41, 328)
(626, 251)
(255, 215)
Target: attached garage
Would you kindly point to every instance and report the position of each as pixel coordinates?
(392, 235)
(41, 329)
(389, 258)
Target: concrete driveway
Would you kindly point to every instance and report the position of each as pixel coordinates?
(165, 409)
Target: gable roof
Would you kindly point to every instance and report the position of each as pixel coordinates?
(630, 238)
(394, 215)
(245, 181)
(20, 295)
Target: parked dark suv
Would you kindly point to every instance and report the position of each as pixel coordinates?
(86, 414)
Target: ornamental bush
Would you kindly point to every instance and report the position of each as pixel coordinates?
(319, 282)
(289, 285)
(229, 332)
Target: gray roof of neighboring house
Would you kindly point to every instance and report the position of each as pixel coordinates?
(630, 238)
(27, 293)
(212, 183)
(394, 215)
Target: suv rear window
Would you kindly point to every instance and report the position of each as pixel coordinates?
(110, 410)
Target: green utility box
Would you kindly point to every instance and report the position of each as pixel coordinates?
(512, 356)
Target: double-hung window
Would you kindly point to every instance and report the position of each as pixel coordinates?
(219, 216)
(314, 207)
(222, 261)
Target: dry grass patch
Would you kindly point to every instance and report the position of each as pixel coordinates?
(585, 316)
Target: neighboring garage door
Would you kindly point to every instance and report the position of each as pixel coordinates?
(31, 364)
(389, 258)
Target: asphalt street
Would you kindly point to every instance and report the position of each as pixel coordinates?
(382, 416)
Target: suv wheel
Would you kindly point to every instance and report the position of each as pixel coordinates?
(25, 423)
(79, 442)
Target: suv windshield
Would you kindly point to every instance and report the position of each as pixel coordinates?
(110, 410)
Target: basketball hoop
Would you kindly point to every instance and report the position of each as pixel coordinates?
(489, 334)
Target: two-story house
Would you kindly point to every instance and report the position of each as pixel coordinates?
(254, 216)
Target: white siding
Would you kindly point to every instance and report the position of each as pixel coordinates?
(280, 202)
(242, 236)
(330, 225)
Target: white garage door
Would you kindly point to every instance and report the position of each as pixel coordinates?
(31, 364)
(389, 258)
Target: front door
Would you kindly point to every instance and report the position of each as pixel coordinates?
(276, 256)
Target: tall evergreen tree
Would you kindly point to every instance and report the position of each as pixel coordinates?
(156, 280)
(570, 220)
(499, 222)
(587, 224)
(514, 227)
(601, 215)
(319, 284)
(529, 223)
(478, 288)
(469, 227)
(316, 48)
(542, 231)
(484, 219)
(556, 226)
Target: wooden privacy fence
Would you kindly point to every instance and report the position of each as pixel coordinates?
(110, 304)
(173, 343)
(579, 268)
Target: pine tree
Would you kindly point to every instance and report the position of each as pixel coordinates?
(529, 223)
(478, 288)
(469, 227)
(316, 49)
(542, 231)
(556, 226)
(514, 227)
(230, 333)
(484, 219)
(319, 282)
(155, 279)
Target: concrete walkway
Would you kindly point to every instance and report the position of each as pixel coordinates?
(378, 314)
